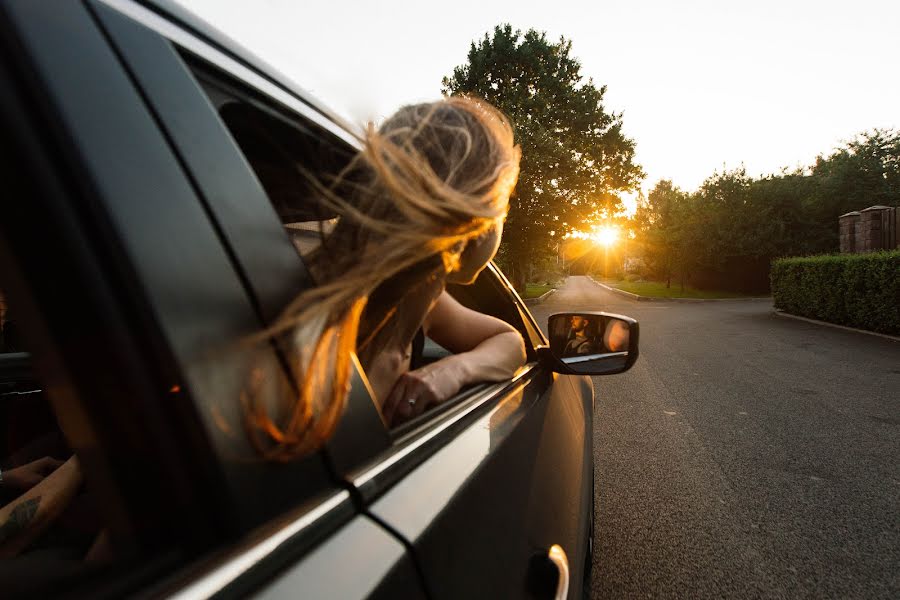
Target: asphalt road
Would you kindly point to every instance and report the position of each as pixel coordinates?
(744, 456)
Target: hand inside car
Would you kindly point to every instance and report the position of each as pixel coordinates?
(416, 391)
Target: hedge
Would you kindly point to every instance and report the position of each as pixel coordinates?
(858, 290)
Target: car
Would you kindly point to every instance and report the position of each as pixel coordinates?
(155, 218)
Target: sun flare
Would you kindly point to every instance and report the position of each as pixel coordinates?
(606, 235)
(602, 235)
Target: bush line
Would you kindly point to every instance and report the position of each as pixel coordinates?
(857, 290)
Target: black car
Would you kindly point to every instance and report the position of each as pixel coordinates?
(154, 218)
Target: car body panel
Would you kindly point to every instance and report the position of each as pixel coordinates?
(480, 509)
(360, 560)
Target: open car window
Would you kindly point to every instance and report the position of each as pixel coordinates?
(282, 149)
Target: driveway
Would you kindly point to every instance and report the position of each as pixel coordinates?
(744, 455)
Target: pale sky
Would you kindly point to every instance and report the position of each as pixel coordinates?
(702, 84)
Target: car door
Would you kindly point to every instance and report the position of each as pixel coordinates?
(156, 233)
(484, 491)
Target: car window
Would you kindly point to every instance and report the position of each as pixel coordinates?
(282, 150)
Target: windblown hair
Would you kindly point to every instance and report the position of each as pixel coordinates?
(431, 179)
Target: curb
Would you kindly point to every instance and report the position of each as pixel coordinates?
(628, 295)
(638, 298)
(540, 299)
(781, 313)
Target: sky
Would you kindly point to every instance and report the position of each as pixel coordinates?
(702, 85)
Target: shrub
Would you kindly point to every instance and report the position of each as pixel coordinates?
(858, 290)
(632, 277)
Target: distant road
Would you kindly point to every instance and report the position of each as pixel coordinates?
(744, 455)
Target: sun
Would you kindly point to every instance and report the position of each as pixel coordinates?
(606, 235)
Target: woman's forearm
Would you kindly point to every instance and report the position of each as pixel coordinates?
(26, 517)
(495, 359)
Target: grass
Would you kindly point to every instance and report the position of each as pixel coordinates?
(533, 290)
(657, 289)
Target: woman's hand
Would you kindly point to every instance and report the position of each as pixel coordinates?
(416, 391)
(29, 475)
(485, 349)
(24, 519)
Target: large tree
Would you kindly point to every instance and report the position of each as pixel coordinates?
(575, 159)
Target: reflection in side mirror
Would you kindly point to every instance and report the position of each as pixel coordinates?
(591, 343)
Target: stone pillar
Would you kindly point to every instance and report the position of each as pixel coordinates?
(847, 231)
(889, 228)
(897, 227)
(874, 228)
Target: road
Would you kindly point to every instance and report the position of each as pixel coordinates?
(744, 456)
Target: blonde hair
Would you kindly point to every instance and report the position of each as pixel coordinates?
(432, 178)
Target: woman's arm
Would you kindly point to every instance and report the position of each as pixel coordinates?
(26, 517)
(485, 349)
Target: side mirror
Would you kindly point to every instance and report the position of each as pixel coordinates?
(591, 343)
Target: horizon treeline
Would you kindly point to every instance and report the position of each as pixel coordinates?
(726, 233)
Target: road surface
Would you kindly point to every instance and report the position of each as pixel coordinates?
(744, 455)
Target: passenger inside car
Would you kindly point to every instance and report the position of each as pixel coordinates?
(421, 206)
(49, 524)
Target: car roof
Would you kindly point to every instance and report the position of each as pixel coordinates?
(176, 13)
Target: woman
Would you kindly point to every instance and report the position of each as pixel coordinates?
(422, 205)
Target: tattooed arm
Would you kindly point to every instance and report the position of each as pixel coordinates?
(26, 517)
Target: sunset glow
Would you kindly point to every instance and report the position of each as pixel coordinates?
(602, 235)
(606, 235)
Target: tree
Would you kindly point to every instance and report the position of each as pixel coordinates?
(663, 226)
(575, 158)
(725, 234)
(863, 173)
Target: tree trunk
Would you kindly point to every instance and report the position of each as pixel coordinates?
(517, 277)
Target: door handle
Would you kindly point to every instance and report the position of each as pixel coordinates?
(558, 557)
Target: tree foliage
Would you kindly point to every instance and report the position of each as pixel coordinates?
(575, 158)
(726, 233)
(660, 222)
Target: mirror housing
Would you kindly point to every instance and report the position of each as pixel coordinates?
(590, 343)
